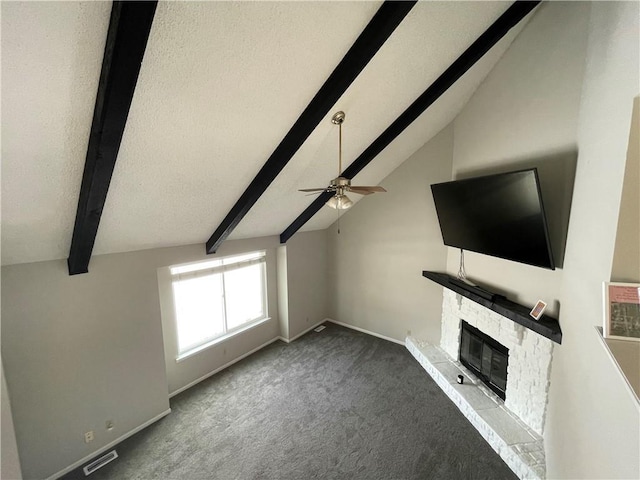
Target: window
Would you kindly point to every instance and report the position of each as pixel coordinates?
(217, 298)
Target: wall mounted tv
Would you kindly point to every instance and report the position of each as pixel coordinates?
(499, 215)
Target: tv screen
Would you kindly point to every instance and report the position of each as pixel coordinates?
(500, 215)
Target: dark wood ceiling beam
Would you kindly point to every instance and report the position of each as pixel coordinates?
(379, 29)
(127, 36)
(511, 17)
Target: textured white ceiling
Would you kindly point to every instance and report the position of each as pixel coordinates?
(430, 38)
(51, 59)
(220, 86)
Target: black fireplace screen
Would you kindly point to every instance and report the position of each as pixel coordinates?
(485, 357)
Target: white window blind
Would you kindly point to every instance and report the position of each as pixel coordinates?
(215, 298)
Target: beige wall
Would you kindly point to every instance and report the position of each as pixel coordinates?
(84, 349)
(593, 421)
(385, 241)
(526, 114)
(182, 374)
(306, 259)
(542, 101)
(563, 91)
(283, 295)
(77, 351)
(626, 257)
(9, 459)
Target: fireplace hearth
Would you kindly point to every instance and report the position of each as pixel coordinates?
(512, 423)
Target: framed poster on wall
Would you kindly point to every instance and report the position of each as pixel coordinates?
(622, 311)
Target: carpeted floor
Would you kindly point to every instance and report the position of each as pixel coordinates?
(332, 405)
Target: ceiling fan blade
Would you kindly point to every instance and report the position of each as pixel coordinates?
(370, 189)
(360, 192)
(312, 189)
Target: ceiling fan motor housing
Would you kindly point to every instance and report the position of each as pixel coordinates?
(340, 182)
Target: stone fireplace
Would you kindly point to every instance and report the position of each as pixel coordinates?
(530, 354)
(513, 426)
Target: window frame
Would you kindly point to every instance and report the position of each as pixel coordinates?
(219, 266)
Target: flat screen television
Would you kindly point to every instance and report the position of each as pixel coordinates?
(499, 215)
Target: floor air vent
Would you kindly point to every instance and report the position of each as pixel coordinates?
(100, 462)
(319, 329)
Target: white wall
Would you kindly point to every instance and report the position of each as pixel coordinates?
(80, 350)
(385, 242)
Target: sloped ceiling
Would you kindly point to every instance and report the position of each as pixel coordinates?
(221, 84)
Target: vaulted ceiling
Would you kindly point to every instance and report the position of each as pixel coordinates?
(220, 85)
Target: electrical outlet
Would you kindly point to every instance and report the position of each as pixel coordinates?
(88, 437)
(109, 424)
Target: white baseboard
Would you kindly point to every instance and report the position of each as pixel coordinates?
(204, 377)
(368, 332)
(108, 446)
(304, 331)
(226, 365)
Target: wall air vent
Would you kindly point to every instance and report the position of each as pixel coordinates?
(100, 462)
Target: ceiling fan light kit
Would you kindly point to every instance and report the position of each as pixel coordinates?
(339, 202)
(340, 185)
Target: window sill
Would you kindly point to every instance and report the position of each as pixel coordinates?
(219, 340)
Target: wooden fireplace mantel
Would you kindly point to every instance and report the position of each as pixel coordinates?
(547, 326)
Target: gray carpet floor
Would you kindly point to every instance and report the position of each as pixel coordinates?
(337, 404)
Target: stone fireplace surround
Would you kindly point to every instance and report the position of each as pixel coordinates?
(512, 427)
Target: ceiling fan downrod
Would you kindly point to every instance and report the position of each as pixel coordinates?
(338, 119)
(341, 185)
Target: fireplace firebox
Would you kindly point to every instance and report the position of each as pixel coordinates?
(485, 357)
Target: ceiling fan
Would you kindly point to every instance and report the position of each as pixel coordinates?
(340, 185)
